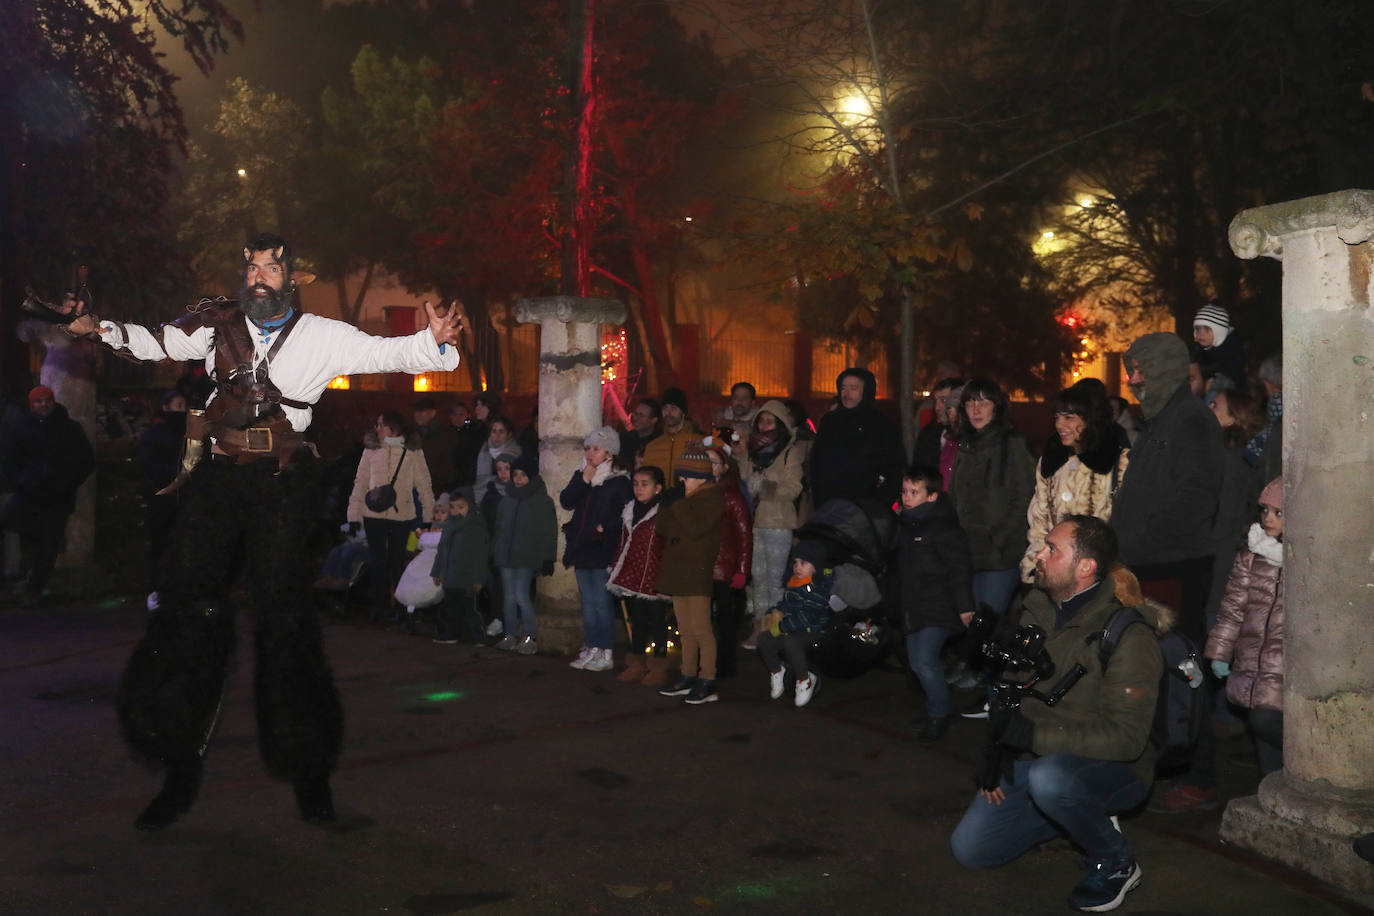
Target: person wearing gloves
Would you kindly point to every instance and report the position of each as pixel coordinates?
(1246, 645)
(804, 611)
(595, 495)
(524, 546)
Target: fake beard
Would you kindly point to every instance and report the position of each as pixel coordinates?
(262, 308)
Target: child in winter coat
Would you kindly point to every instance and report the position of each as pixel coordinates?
(596, 494)
(524, 546)
(789, 628)
(735, 557)
(460, 566)
(690, 527)
(935, 588)
(418, 588)
(634, 578)
(1246, 645)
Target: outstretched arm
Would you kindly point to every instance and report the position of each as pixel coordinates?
(447, 325)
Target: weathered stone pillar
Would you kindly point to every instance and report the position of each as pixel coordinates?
(569, 408)
(1306, 814)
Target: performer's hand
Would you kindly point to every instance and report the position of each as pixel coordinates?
(84, 326)
(446, 326)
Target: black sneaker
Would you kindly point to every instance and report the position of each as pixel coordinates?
(702, 692)
(683, 687)
(1105, 886)
(933, 728)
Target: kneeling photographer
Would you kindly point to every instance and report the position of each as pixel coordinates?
(1063, 760)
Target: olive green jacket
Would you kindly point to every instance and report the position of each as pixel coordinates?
(1106, 715)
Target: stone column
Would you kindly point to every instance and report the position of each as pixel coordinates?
(569, 408)
(1306, 814)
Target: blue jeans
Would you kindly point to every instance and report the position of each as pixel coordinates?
(994, 587)
(923, 654)
(597, 607)
(515, 588)
(1058, 793)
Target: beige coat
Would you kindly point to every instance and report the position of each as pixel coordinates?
(1074, 489)
(775, 488)
(375, 469)
(1249, 627)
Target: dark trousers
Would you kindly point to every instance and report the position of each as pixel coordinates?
(386, 554)
(158, 519)
(727, 609)
(171, 690)
(1266, 728)
(648, 625)
(791, 646)
(1184, 585)
(44, 526)
(459, 617)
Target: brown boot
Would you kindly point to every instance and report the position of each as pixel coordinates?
(658, 672)
(634, 668)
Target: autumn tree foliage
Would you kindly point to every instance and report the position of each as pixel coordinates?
(89, 126)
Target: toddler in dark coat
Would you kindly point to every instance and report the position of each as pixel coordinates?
(789, 628)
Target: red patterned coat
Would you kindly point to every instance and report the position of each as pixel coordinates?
(736, 554)
(634, 574)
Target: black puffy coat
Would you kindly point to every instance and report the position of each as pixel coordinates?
(858, 452)
(933, 567)
(593, 533)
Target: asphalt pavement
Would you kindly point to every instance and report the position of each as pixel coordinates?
(480, 781)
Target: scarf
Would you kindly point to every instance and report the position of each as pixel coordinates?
(1263, 546)
(1254, 449)
(642, 509)
(764, 447)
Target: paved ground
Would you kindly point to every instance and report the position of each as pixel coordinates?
(474, 780)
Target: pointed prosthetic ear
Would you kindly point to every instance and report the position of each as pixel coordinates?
(302, 278)
(247, 255)
(276, 253)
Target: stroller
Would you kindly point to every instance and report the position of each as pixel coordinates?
(857, 534)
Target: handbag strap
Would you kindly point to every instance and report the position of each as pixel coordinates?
(396, 473)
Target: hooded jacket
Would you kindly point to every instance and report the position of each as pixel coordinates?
(858, 452)
(376, 467)
(776, 487)
(460, 561)
(526, 535)
(1249, 627)
(51, 458)
(1108, 714)
(1166, 507)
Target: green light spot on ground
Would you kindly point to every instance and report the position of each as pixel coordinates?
(443, 696)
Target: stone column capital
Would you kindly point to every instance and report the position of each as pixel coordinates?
(1260, 230)
(570, 309)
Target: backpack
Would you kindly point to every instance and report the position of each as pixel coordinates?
(1180, 706)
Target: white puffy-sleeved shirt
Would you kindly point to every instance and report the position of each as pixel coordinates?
(315, 352)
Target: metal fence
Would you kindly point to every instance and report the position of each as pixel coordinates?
(766, 363)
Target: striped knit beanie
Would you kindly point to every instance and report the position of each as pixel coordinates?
(1214, 315)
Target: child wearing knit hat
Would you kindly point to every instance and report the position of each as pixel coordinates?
(1221, 351)
(690, 528)
(789, 628)
(1246, 644)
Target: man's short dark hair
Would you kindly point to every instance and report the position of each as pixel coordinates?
(952, 382)
(1093, 539)
(654, 407)
(750, 388)
(424, 402)
(925, 475)
(270, 241)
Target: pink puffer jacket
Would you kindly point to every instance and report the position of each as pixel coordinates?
(1249, 632)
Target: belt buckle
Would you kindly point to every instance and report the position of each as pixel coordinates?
(259, 439)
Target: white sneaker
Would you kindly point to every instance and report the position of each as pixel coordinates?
(806, 688)
(600, 660)
(154, 601)
(583, 657)
(777, 683)
(496, 628)
(508, 643)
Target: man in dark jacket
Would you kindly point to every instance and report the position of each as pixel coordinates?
(51, 458)
(858, 451)
(1164, 516)
(439, 439)
(935, 586)
(1087, 757)
(930, 441)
